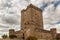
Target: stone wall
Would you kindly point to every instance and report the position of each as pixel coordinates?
(43, 35)
(10, 39)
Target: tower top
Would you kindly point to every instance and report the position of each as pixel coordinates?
(31, 6)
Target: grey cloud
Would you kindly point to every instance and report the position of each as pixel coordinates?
(10, 20)
(2, 26)
(4, 30)
(27, 1)
(52, 17)
(7, 5)
(0, 33)
(11, 12)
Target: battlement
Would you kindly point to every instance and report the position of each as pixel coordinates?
(32, 6)
(53, 30)
(11, 31)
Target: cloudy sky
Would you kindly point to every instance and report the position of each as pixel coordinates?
(10, 13)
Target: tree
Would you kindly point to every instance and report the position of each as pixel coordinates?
(4, 36)
(12, 36)
(31, 38)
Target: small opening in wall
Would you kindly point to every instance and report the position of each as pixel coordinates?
(35, 14)
(26, 23)
(23, 36)
(32, 21)
(25, 15)
(37, 29)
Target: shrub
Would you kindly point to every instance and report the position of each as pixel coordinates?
(4, 36)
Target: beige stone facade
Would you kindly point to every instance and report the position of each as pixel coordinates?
(32, 25)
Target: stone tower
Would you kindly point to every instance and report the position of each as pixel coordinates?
(31, 16)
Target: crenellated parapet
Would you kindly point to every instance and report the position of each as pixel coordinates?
(54, 33)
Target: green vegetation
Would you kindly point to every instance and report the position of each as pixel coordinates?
(4, 36)
(31, 38)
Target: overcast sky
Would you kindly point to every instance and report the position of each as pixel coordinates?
(10, 13)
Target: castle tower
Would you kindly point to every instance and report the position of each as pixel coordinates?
(54, 33)
(11, 32)
(31, 16)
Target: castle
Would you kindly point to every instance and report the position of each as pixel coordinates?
(32, 25)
